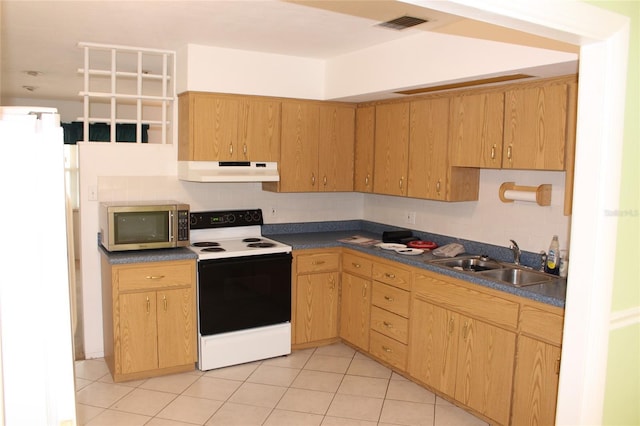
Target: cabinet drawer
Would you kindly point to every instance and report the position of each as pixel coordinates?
(389, 324)
(467, 301)
(541, 324)
(391, 299)
(392, 275)
(142, 276)
(317, 262)
(389, 350)
(357, 265)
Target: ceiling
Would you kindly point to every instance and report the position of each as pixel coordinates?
(42, 36)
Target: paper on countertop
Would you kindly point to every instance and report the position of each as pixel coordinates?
(360, 240)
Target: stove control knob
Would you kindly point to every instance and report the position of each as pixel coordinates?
(247, 216)
(256, 216)
(231, 218)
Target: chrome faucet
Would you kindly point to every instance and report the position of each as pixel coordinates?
(516, 252)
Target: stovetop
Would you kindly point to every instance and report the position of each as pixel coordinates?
(230, 233)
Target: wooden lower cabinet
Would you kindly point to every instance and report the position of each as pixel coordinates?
(355, 308)
(535, 383)
(317, 290)
(463, 357)
(150, 321)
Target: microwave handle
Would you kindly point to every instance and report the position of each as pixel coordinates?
(171, 219)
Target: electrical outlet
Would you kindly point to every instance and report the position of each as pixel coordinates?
(411, 218)
(93, 193)
(274, 212)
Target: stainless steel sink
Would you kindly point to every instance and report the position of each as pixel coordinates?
(469, 263)
(518, 277)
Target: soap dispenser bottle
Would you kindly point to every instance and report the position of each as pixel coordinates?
(553, 257)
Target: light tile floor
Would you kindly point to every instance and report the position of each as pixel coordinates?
(329, 386)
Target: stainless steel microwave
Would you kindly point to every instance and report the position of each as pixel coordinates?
(143, 225)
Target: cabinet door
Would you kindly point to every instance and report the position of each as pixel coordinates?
(391, 149)
(428, 142)
(299, 147)
(364, 145)
(176, 327)
(335, 148)
(316, 307)
(476, 130)
(355, 306)
(484, 375)
(433, 345)
(259, 130)
(138, 332)
(215, 128)
(535, 128)
(535, 383)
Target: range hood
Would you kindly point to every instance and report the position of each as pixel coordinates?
(228, 171)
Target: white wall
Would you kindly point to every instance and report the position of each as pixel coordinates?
(216, 69)
(488, 220)
(428, 59)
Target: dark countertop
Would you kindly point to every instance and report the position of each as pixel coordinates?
(141, 256)
(553, 293)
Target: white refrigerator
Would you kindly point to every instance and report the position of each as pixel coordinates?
(36, 349)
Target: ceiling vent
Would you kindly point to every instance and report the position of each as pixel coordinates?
(403, 22)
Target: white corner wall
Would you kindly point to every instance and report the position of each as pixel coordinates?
(427, 59)
(216, 69)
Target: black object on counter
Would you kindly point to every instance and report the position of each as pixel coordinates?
(400, 237)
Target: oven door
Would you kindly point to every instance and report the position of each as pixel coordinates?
(243, 292)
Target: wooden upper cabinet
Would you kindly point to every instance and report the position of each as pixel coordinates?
(259, 130)
(364, 149)
(216, 127)
(535, 135)
(335, 148)
(299, 147)
(428, 144)
(391, 149)
(316, 152)
(477, 123)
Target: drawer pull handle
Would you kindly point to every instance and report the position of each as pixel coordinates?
(324, 180)
(244, 149)
(557, 366)
(355, 265)
(318, 262)
(230, 149)
(313, 179)
(164, 302)
(148, 305)
(387, 324)
(388, 298)
(389, 275)
(493, 152)
(386, 349)
(154, 277)
(366, 180)
(509, 152)
(364, 291)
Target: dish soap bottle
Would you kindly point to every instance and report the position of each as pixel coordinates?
(553, 257)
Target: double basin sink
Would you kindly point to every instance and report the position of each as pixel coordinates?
(505, 273)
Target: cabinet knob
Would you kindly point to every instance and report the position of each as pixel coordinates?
(438, 186)
(148, 305)
(355, 265)
(493, 152)
(244, 149)
(401, 182)
(386, 349)
(557, 366)
(318, 262)
(324, 181)
(387, 324)
(388, 298)
(230, 149)
(389, 275)
(164, 301)
(509, 151)
(364, 290)
(366, 180)
(313, 179)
